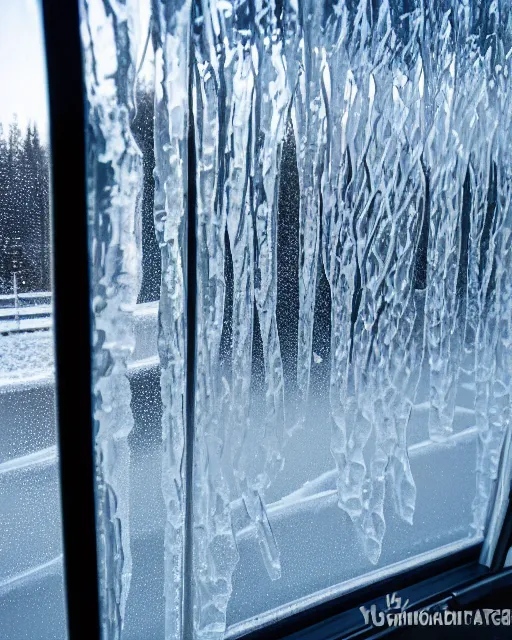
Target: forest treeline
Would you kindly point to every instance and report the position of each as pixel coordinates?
(24, 206)
(24, 210)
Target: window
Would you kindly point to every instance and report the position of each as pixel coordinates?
(31, 587)
(297, 237)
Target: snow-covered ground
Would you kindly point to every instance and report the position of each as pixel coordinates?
(25, 355)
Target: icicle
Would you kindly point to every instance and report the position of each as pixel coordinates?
(114, 189)
(214, 546)
(339, 258)
(450, 134)
(240, 231)
(309, 114)
(272, 95)
(239, 216)
(171, 38)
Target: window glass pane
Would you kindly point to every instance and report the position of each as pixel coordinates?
(31, 586)
(331, 367)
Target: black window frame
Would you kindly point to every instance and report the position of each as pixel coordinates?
(455, 579)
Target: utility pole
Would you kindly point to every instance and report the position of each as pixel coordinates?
(16, 301)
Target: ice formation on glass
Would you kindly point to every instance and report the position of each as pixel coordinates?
(401, 118)
(171, 32)
(372, 218)
(239, 129)
(401, 113)
(214, 548)
(114, 187)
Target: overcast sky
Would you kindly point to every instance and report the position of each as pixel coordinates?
(22, 65)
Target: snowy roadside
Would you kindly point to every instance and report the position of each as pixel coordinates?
(25, 355)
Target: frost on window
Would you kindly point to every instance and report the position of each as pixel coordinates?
(346, 169)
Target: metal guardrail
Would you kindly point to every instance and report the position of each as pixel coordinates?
(25, 311)
(9, 299)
